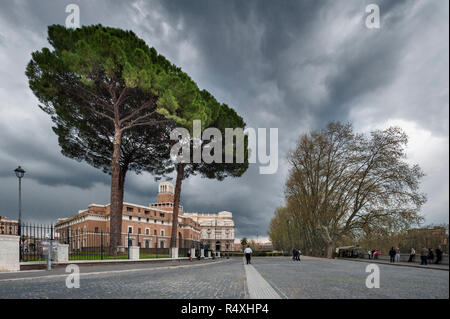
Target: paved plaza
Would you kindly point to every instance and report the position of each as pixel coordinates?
(266, 277)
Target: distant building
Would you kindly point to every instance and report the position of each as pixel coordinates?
(260, 244)
(8, 227)
(217, 230)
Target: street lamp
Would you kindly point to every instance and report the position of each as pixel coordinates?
(20, 172)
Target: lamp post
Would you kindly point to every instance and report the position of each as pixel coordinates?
(20, 172)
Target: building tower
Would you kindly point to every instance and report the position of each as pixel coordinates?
(165, 192)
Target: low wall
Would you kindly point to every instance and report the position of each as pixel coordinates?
(405, 257)
(9, 253)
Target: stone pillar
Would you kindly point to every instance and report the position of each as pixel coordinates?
(62, 253)
(202, 253)
(193, 253)
(173, 252)
(9, 253)
(218, 254)
(209, 253)
(134, 252)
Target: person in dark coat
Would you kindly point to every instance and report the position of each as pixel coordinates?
(392, 253)
(430, 256)
(294, 253)
(298, 254)
(438, 255)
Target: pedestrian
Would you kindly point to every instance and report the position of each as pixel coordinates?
(438, 255)
(412, 255)
(430, 256)
(299, 252)
(376, 253)
(397, 255)
(369, 253)
(294, 254)
(424, 256)
(248, 254)
(392, 255)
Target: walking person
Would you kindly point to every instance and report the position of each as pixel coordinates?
(430, 256)
(369, 253)
(392, 254)
(294, 254)
(299, 252)
(424, 256)
(412, 255)
(248, 254)
(397, 255)
(438, 255)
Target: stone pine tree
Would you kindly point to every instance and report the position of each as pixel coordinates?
(221, 117)
(109, 77)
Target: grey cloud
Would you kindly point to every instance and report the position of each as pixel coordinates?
(294, 65)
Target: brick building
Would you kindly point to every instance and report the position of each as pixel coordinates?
(144, 226)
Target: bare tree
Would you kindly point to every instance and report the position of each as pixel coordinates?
(347, 184)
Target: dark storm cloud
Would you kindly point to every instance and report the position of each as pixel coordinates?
(293, 65)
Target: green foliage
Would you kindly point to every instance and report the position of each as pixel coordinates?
(95, 58)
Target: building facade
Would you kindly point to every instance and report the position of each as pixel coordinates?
(144, 226)
(150, 226)
(217, 230)
(8, 226)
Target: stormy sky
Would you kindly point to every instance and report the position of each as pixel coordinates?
(291, 65)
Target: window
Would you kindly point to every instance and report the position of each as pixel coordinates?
(162, 232)
(130, 218)
(155, 221)
(129, 209)
(148, 220)
(139, 218)
(139, 230)
(147, 231)
(130, 229)
(96, 230)
(147, 212)
(162, 222)
(155, 232)
(161, 214)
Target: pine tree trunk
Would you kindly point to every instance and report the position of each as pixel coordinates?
(115, 216)
(176, 205)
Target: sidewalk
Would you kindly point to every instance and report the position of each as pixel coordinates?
(404, 264)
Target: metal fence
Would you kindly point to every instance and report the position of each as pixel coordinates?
(34, 240)
(91, 245)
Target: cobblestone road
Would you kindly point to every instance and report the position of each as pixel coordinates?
(325, 278)
(209, 279)
(226, 278)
